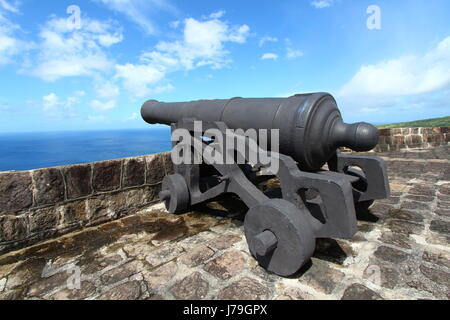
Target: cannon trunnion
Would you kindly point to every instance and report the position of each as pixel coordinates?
(321, 189)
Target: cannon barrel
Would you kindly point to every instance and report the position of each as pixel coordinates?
(311, 125)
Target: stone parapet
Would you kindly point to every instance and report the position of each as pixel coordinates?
(409, 138)
(40, 204)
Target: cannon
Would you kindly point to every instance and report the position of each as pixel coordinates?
(322, 189)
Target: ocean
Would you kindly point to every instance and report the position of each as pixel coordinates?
(27, 151)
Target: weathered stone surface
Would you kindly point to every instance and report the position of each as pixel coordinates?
(48, 186)
(438, 257)
(405, 215)
(197, 256)
(391, 255)
(161, 276)
(359, 292)
(73, 212)
(126, 291)
(151, 194)
(163, 255)
(134, 172)
(135, 198)
(46, 284)
(106, 206)
(415, 205)
(440, 226)
(122, 272)
(15, 192)
(224, 241)
(322, 277)
(78, 181)
(435, 275)
(396, 239)
(226, 265)
(107, 175)
(168, 164)
(87, 289)
(155, 169)
(13, 228)
(382, 275)
(193, 287)
(44, 219)
(291, 293)
(244, 289)
(404, 227)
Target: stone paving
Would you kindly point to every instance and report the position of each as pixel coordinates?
(400, 252)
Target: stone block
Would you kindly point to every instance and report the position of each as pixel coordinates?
(15, 192)
(127, 291)
(44, 219)
(13, 228)
(48, 186)
(107, 175)
(226, 265)
(133, 172)
(78, 181)
(358, 291)
(390, 255)
(322, 277)
(439, 226)
(244, 289)
(106, 206)
(73, 212)
(197, 256)
(155, 169)
(193, 287)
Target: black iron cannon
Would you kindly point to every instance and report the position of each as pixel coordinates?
(321, 188)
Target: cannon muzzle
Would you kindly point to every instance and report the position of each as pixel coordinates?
(311, 126)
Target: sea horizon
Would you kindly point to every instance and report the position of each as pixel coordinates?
(35, 150)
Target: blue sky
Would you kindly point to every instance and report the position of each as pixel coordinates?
(58, 72)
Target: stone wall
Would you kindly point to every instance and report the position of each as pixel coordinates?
(407, 138)
(40, 204)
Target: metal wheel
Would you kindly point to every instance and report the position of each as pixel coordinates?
(175, 194)
(279, 236)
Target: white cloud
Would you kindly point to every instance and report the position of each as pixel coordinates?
(7, 6)
(320, 4)
(140, 11)
(407, 75)
(101, 107)
(138, 78)
(67, 52)
(55, 107)
(269, 56)
(293, 53)
(202, 44)
(404, 82)
(263, 40)
(217, 14)
(9, 44)
(106, 89)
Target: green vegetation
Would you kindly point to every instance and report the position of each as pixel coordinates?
(438, 122)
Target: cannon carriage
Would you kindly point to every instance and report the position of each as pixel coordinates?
(321, 188)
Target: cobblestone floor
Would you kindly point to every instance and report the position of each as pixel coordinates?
(400, 252)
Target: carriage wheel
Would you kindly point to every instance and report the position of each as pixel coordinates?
(175, 194)
(279, 236)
